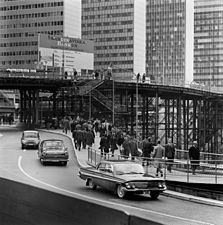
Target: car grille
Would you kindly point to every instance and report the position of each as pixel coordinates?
(30, 143)
(142, 185)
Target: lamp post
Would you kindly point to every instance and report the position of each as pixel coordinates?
(113, 94)
(137, 105)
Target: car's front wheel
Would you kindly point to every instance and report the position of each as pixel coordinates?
(91, 184)
(121, 191)
(154, 194)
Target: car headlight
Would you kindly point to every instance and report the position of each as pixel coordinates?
(130, 185)
(161, 185)
(23, 141)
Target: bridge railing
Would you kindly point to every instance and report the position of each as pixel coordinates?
(206, 172)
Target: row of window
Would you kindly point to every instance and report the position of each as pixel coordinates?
(114, 39)
(18, 53)
(130, 30)
(17, 62)
(108, 7)
(17, 44)
(31, 6)
(107, 63)
(113, 47)
(36, 24)
(29, 34)
(31, 15)
(112, 15)
(123, 54)
(108, 23)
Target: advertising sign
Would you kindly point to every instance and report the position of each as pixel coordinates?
(66, 53)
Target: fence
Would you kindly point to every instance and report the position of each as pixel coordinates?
(208, 171)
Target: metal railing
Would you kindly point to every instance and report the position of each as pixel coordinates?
(206, 172)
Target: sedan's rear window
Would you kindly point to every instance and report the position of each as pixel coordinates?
(53, 144)
(31, 135)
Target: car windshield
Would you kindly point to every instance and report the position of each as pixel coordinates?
(31, 135)
(122, 169)
(53, 144)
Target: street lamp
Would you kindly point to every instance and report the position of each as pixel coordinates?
(113, 94)
(137, 104)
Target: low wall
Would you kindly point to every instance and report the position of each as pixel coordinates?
(23, 204)
(211, 191)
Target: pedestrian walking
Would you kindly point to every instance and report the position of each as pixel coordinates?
(66, 124)
(126, 148)
(120, 139)
(169, 154)
(90, 136)
(79, 139)
(147, 148)
(194, 156)
(113, 141)
(133, 148)
(104, 145)
(158, 155)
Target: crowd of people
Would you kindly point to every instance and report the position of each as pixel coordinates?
(113, 139)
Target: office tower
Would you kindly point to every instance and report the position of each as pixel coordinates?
(22, 20)
(169, 40)
(208, 42)
(118, 29)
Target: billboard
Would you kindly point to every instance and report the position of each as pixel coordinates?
(65, 53)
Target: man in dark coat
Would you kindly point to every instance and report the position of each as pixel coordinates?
(147, 148)
(194, 156)
(169, 154)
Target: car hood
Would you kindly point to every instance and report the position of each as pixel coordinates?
(138, 177)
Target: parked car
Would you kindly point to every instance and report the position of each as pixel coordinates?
(53, 150)
(30, 139)
(123, 177)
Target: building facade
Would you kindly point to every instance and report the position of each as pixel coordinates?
(169, 40)
(22, 20)
(208, 42)
(118, 30)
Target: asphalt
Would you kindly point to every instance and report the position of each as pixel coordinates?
(82, 157)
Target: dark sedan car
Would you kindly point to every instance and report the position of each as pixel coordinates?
(53, 150)
(30, 139)
(123, 177)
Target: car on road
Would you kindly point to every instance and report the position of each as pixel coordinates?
(30, 139)
(53, 150)
(123, 177)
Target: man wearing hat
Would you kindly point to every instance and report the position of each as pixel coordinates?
(194, 156)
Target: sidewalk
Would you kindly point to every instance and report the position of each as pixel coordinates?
(82, 157)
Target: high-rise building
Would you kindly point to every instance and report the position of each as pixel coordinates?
(208, 42)
(22, 20)
(169, 40)
(118, 30)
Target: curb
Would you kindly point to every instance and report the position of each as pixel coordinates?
(167, 193)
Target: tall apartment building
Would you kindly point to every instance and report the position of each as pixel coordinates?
(118, 29)
(169, 40)
(22, 20)
(208, 42)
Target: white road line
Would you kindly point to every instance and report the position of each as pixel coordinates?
(106, 202)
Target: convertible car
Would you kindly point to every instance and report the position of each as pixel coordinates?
(123, 177)
(53, 150)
